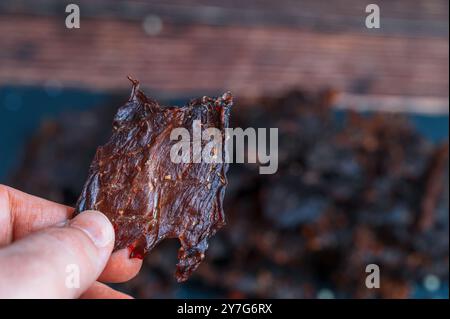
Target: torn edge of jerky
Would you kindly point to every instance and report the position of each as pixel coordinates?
(146, 196)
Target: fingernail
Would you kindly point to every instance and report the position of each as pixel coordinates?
(96, 226)
(64, 223)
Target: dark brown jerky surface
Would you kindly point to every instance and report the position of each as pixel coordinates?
(146, 196)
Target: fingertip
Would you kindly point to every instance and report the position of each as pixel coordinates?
(96, 226)
(120, 267)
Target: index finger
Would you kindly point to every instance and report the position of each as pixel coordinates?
(21, 214)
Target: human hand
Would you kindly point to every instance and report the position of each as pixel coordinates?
(38, 242)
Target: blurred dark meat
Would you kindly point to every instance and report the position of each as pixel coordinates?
(433, 187)
(350, 190)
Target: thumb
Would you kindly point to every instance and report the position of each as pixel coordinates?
(58, 262)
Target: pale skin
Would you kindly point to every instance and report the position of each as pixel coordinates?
(39, 238)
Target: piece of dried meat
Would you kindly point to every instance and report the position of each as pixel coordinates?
(147, 197)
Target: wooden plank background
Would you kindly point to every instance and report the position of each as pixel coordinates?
(250, 47)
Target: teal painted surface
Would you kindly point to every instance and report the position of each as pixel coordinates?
(23, 108)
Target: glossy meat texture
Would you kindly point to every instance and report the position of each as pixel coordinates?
(146, 196)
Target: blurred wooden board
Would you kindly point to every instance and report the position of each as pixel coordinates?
(250, 47)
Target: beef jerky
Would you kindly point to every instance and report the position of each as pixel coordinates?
(147, 197)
